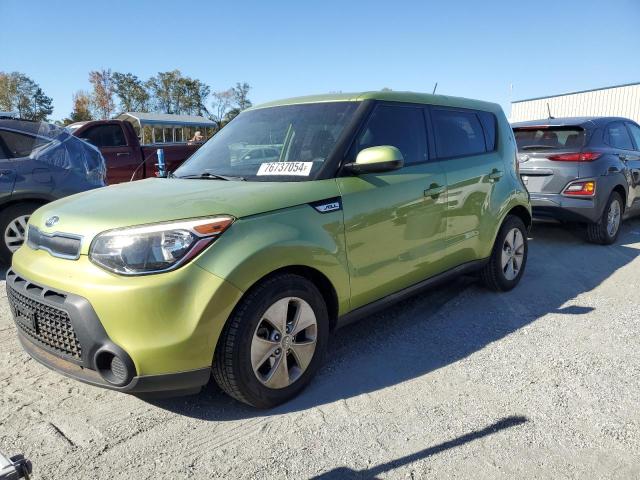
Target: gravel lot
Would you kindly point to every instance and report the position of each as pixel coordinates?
(542, 382)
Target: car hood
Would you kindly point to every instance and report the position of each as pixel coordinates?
(160, 200)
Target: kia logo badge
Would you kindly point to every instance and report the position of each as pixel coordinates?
(51, 221)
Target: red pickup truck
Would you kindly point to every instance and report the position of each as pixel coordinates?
(130, 141)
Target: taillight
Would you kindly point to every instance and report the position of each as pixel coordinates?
(581, 189)
(576, 157)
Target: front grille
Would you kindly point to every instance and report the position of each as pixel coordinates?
(48, 326)
(63, 245)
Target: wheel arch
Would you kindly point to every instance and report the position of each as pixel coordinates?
(522, 213)
(315, 276)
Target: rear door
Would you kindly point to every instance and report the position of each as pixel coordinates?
(536, 144)
(7, 164)
(119, 156)
(633, 164)
(465, 142)
(395, 222)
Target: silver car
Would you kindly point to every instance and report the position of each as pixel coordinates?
(584, 169)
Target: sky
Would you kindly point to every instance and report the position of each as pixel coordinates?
(491, 50)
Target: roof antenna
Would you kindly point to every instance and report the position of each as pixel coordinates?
(549, 110)
(434, 89)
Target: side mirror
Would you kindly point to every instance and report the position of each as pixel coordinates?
(378, 159)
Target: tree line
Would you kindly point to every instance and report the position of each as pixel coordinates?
(112, 92)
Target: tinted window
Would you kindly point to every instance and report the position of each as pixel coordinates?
(457, 133)
(17, 145)
(105, 136)
(489, 122)
(549, 137)
(635, 132)
(617, 136)
(400, 127)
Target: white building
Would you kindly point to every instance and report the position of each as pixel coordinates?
(616, 101)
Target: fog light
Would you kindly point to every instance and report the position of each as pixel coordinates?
(113, 368)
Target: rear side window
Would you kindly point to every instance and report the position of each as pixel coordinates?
(549, 137)
(617, 136)
(105, 136)
(18, 145)
(489, 122)
(635, 132)
(458, 133)
(400, 127)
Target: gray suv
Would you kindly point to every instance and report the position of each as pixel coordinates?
(584, 169)
(39, 163)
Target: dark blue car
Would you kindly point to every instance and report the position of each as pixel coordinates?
(39, 163)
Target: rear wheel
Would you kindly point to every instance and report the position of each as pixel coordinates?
(273, 343)
(606, 230)
(508, 257)
(13, 225)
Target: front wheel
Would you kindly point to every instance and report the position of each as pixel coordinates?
(508, 257)
(273, 343)
(606, 230)
(13, 225)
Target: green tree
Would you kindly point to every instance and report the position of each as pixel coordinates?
(175, 93)
(221, 105)
(20, 93)
(103, 91)
(131, 92)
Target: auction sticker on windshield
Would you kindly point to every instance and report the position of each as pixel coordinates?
(302, 169)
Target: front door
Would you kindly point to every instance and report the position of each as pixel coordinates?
(120, 158)
(632, 160)
(395, 221)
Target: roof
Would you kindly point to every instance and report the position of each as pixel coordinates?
(42, 129)
(392, 96)
(576, 92)
(166, 118)
(562, 121)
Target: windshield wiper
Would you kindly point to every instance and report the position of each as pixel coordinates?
(531, 147)
(213, 176)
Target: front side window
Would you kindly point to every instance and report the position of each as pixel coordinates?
(105, 136)
(398, 126)
(457, 133)
(290, 143)
(617, 136)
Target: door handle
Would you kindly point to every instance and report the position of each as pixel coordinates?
(495, 175)
(623, 157)
(5, 173)
(122, 154)
(434, 190)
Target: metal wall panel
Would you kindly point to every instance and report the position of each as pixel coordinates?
(621, 101)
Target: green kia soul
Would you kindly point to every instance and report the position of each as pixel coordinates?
(299, 216)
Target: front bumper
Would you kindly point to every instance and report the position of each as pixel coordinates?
(76, 318)
(561, 207)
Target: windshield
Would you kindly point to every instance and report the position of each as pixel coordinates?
(548, 138)
(287, 143)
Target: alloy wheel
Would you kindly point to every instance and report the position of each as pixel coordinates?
(512, 254)
(15, 233)
(613, 218)
(284, 342)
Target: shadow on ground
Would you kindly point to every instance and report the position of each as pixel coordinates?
(371, 473)
(409, 340)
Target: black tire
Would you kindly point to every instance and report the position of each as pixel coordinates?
(7, 216)
(232, 369)
(492, 274)
(598, 232)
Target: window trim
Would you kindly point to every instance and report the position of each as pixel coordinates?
(484, 136)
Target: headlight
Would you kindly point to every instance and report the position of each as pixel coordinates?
(155, 248)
